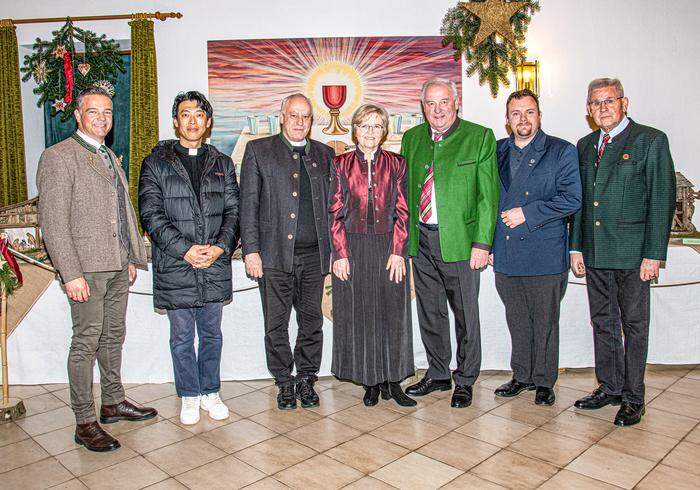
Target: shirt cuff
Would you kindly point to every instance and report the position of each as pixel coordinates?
(481, 246)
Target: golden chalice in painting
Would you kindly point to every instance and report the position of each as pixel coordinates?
(334, 98)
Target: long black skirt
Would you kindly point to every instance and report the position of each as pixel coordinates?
(372, 339)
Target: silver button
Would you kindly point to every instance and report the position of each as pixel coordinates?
(314, 165)
(532, 161)
(527, 193)
(294, 193)
(295, 156)
(596, 203)
(507, 237)
(295, 175)
(290, 236)
(292, 215)
(597, 223)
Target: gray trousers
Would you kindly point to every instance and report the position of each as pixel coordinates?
(438, 283)
(532, 313)
(98, 333)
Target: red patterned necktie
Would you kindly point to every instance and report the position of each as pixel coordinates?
(426, 192)
(601, 150)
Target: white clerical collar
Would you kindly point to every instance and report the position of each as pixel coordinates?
(298, 143)
(90, 141)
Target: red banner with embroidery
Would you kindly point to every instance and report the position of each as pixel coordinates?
(68, 72)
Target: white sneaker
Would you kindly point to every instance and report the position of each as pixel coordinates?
(212, 403)
(189, 413)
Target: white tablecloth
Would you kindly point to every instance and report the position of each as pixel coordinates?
(38, 348)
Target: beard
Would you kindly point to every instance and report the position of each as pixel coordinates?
(525, 131)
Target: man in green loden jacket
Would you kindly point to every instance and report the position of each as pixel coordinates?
(453, 202)
(618, 240)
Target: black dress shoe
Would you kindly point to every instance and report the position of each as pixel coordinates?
(428, 385)
(395, 391)
(597, 399)
(371, 397)
(306, 394)
(94, 438)
(125, 411)
(629, 414)
(513, 388)
(462, 396)
(285, 397)
(544, 396)
(384, 390)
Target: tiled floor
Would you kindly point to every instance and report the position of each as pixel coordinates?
(496, 443)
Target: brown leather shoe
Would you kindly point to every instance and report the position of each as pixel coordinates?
(125, 411)
(94, 438)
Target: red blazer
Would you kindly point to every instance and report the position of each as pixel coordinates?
(349, 194)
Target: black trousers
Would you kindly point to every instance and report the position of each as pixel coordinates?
(619, 303)
(438, 283)
(303, 290)
(532, 313)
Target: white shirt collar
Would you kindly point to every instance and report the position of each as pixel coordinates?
(91, 141)
(615, 131)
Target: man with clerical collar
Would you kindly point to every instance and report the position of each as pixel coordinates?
(618, 240)
(540, 189)
(189, 200)
(453, 203)
(284, 234)
(91, 234)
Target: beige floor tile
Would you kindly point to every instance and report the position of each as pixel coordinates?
(154, 436)
(42, 403)
(26, 391)
(20, 454)
(665, 423)
(81, 461)
(527, 412)
(64, 395)
(514, 470)
(686, 386)
(415, 471)
(47, 421)
(238, 435)
(582, 380)
(169, 484)
(441, 413)
(651, 393)
(421, 402)
(483, 399)
(268, 483)
(167, 407)
(606, 413)
(365, 419)
(576, 426)
(574, 481)
(259, 383)
(367, 453)
(472, 482)
(149, 392)
(230, 389)
(327, 382)
(666, 477)
(368, 483)
(130, 474)
(319, 472)
(58, 441)
(610, 466)
(282, 421)
(495, 430)
(679, 369)
(685, 457)
(184, 455)
(688, 406)
(117, 429)
(55, 387)
(410, 432)
(323, 434)
(73, 484)
(11, 433)
(694, 435)
(42, 474)
(332, 401)
(694, 374)
(494, 381)
(566, 396)
(275, 454)
(547, 446)
(661, 379)
(352, 389)
(459, 451)
(206, 423)
(251, 403)
(227, 472)
(640, 443)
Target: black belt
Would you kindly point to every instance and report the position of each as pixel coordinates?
(429, 226)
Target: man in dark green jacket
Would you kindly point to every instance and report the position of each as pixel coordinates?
(618, 240)
(453, 202)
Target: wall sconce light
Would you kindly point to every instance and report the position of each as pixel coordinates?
(527, 76)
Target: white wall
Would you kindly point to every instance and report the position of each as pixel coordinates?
(648, 45)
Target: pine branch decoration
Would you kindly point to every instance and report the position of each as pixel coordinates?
(493, 59)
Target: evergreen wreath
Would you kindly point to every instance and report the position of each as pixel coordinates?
(495, 57)
(61, 73)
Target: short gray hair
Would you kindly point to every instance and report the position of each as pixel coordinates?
(603, 83)
(439, 81)
(92, 90)
(286, 100)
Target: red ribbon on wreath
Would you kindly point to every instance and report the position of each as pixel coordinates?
(7, 255)
(68, 72)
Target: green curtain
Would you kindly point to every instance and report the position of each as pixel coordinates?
(144, 100)
(13, 177)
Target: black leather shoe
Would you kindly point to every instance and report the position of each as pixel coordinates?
(399, 396)
(428, 385)
(629, 414)
(371, 397)
(544, 396)
(285, 397)
(94, 438)
(125, 411)
(597, 399)
(513, 388)
(462, 396)
(306, 394)
(384, 390)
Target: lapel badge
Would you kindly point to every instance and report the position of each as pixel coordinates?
(626, 156)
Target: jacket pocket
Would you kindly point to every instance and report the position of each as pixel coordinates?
(466, 162)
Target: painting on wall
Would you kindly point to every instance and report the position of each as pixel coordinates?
(249, 78)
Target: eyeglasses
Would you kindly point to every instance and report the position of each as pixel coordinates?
(366, 128)
(597, 104)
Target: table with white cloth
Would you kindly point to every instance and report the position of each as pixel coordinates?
(38, 348)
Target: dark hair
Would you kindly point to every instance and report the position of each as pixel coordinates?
(199, 98)
(521, 94)
(92, 90)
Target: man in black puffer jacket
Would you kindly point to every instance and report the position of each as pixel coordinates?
(188, 201)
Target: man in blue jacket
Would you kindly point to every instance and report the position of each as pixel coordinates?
(540, 188)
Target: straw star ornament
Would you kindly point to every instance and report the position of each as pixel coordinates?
(495, 17)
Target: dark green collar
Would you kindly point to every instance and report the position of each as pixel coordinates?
(84, 143)
(307, 148)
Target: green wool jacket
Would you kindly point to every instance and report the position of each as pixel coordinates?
(466, 186)
(628, 203)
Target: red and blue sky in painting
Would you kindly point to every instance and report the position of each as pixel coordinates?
(251, 77)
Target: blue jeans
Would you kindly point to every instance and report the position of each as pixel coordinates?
(196, 374)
